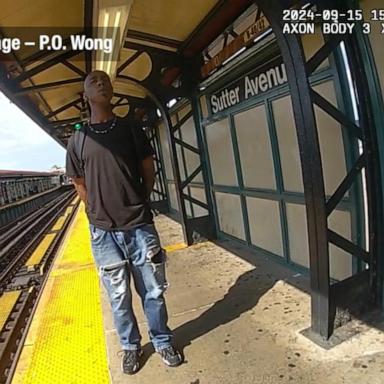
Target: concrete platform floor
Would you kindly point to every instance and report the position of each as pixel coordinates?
(238, 317)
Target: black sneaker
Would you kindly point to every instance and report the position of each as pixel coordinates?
(171, 356)
(130, 364)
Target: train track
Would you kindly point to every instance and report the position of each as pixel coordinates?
(16, 246)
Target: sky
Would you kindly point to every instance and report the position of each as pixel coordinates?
(23, 144)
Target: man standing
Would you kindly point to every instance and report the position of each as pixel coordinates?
(111, 163)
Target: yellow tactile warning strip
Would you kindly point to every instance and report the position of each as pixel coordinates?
(66, 341)
(68, 211)
(40, 251)
(7, 302)
(59, 223)
(175, 247)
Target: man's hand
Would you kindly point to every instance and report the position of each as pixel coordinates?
(148, 174)
(79, 183)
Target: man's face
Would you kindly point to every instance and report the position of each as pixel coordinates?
(98, 88)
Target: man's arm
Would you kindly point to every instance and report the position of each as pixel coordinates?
(73, 168)
(148, 174)
(79, 183)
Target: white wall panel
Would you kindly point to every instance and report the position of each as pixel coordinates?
(340, 261)
(264, 224)
(230, 214)
(172, 196)
(199, 194)
(297, 233)
(288, 145)
(255, 148)
(188, 131)
(221, 153)
(331, 142)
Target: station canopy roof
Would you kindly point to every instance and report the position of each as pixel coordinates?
(48, 84)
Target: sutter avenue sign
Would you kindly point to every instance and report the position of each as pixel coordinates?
(260, 80)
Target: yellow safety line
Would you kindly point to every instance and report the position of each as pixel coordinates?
(7, 302)
(66, 342)
(59, 223)
(175, 247)
(68, 211)
(41, 250)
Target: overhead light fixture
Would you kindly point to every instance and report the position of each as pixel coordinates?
(114, 38)
(267, 32)
(237, 53)
(113, 22)
(171, 103)
(106, 21)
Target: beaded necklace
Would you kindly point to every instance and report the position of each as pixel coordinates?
(101, 131)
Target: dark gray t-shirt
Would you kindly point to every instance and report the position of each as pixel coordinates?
(115, 190)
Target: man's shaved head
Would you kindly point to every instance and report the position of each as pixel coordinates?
(93, 74)
(98, 88)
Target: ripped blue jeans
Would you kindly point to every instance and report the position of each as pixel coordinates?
(137, 253)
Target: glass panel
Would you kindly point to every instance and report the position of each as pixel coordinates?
(230, 214)
(172, 196)
(297, 233)
(221, 153)
(199, 194)
(288, 145)
(264, 224)
(255, 148)
(340, 262)
(330, 141)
